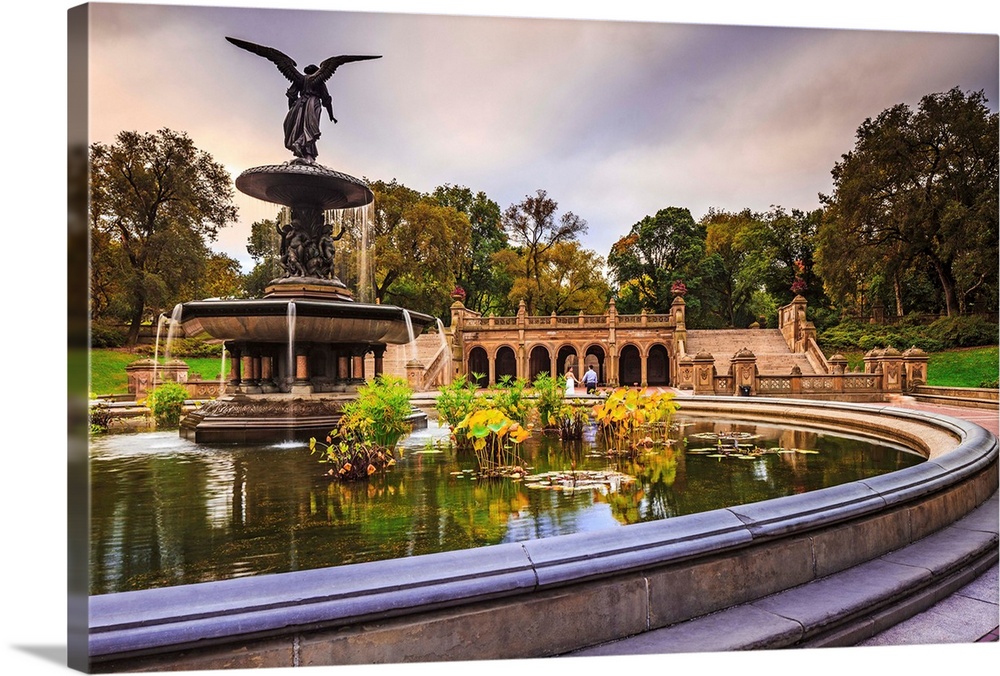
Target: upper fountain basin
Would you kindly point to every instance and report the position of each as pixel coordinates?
(304, 185)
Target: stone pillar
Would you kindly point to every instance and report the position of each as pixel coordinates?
(704, 373)
(743, 367)
(415, 375)
(838, 364)
(301, 384)
(378, 352)
(358, 367)
(267, 383)
(248, 384)
(685, 373)
(643, 363)
(796, 381)
(892, 370)
(914, 367)
(872, 358)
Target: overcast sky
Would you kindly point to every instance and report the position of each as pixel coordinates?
(614, 118)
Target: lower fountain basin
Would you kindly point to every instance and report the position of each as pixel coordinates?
(319, 321)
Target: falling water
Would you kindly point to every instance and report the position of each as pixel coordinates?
(222, 373)
(175, 322)
(411, 347)
(156, 348)
(444, 341)
(364, 274)
(291, 341)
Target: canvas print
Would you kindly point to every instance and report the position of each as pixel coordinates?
(409, 338)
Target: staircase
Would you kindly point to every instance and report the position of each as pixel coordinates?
(427, 350)
(773, 354)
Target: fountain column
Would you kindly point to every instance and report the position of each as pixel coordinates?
(301, 384)
(379, 353)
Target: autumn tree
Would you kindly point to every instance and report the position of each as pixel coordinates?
(533, 227)
(156, 201)
(417, 247)
(919, 190)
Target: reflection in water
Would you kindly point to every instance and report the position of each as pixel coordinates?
(166, 511)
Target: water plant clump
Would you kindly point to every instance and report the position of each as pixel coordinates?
(634, 421)
(369, 430)
(495, 440)
(166, 402)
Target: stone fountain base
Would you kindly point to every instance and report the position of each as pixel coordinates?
(253, 419)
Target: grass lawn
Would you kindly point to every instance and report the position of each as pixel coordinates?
(963, 367)
(107, 369)
(967, 367)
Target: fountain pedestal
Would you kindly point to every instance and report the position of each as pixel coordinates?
(301, 347)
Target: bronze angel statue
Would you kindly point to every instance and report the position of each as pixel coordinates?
(307, 96)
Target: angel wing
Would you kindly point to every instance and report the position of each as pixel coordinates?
(284, 62)
(328, 66)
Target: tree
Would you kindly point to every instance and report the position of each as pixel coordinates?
(263, 245)
(418, 246)
(918, 189)
(156, 201)
(569, 281)
(658, 251)
(485, 285)
(531, 225)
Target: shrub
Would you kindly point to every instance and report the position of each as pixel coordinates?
(964, 331)
(194, 347)
(380, 413)
(102, 335)
(101, 417)
(167, 404)
(454, 402)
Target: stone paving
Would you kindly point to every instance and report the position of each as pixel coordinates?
(971, 613)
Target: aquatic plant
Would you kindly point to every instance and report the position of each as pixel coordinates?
(454, 403)
(166, 402)
(549, 394)
(368, 431)
(634, 420)
(495, 439)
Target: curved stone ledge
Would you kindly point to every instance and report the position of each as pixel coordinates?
(602, 585)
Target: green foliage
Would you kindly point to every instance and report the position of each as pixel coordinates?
(916, 199)
(369, 429)
(945, 333)
(102, 335)
(379, 414)
(509, 396)
(167, 404)
(549, 395)
(155, 203)
(454, 402)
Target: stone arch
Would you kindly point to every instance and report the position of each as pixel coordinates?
(629, 365)
(657, 365)
(505, 362)
(539, 361)
(479, 364)
(568, 358)
(595, 355)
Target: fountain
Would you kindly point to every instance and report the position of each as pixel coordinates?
(298, 352)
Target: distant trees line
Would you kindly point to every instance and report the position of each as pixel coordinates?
(911, 225)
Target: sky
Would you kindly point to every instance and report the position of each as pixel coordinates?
(615, 119)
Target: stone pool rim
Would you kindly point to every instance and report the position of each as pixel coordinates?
(291, 614)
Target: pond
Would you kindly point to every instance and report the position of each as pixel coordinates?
(166, 511)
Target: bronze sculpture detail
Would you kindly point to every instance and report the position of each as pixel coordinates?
(307, 96)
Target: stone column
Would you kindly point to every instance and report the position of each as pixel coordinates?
(892, 370)
(915, 367)
(704, 373)
(743, 366)
(301, 385)
(379, 354)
